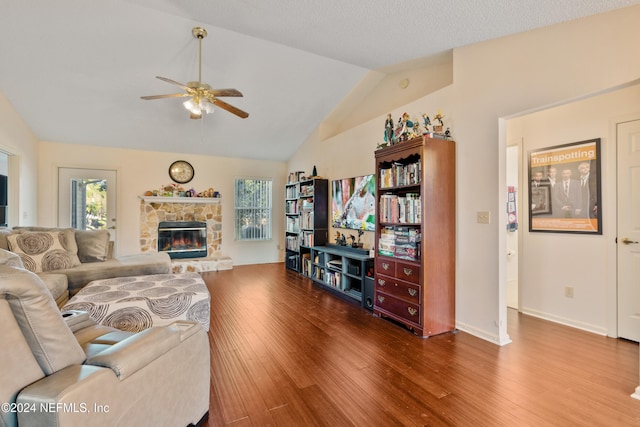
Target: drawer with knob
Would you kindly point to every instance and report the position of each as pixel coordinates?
(398, 307)
(386, 266)
(398, 288)
(407, 271)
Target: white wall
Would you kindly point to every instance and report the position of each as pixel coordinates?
(494, 80)
(17, 140)
(139, 171)
(552, 261)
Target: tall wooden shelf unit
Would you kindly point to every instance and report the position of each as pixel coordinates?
(415, 235)
(307, 219)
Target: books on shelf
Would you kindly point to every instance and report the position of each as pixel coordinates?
(292, 192)
(292, 207)
(333, 278)
(307, 219)
(293, 224)
(306, 264)
(293, 243)
(295, 177)
(307, 238)
(400, 208)
(399, 175)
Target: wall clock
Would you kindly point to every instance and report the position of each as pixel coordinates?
(181, 171)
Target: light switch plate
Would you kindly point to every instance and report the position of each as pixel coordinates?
(484, 217)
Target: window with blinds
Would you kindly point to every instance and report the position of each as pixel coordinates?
(253, 208)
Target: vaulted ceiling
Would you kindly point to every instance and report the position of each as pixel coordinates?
(75, 69)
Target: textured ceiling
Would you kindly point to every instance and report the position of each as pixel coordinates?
(75, 69)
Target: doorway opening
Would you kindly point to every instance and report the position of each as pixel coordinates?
(580, 290)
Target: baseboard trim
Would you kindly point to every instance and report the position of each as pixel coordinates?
(564, 321)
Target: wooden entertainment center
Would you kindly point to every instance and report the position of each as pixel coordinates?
(411, 278)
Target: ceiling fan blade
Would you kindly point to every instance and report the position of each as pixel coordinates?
(172, 95)
(173, 82)
(230, 108)
(225, 92)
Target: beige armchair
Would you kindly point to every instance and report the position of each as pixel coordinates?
(69, 371)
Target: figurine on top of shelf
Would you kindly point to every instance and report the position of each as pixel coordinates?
(427, 122)
(447, 133)
(340, 239)
(438, 117)
(403, 128)
(358, 244)
(388, 130)
(315, 173)
(397, 134)
(415, 130)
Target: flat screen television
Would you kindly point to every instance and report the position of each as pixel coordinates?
(353, 203)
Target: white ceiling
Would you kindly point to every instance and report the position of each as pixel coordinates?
(75, 69)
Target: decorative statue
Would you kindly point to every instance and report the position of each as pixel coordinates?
(398, 132)
(388, 130)
(438, 117)
(427, 122)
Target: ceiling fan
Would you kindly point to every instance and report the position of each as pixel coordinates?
(202, 96)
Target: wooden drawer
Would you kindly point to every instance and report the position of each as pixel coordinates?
(386, 266)
(398, 307)
(408, 272)
(398, 288)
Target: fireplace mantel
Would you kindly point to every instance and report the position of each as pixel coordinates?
(158, 199)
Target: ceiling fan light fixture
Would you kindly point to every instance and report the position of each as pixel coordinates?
(203, 96)
(206, 107)
(198, 106)
(193, 106)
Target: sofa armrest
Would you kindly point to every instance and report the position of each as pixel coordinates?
(74, 390)
(137, 351)
(77, 319)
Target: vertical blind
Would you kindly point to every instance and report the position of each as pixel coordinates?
(253, 208)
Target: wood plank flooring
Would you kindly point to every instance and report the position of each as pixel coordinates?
(284, 352)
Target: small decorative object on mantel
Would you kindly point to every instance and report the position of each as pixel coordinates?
(175, 190)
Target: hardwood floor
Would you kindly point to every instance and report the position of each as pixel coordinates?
(286, 353)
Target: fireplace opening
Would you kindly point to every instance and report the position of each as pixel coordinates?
(183, 239)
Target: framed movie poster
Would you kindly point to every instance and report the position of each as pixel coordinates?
(565, 188)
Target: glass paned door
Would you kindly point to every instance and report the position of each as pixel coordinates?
(87, 199)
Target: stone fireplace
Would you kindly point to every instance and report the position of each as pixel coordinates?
(183, 239)
(154, 210)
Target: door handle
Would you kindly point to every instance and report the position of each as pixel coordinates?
(627, 241)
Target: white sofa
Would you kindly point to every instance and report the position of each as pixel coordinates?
(92, 257)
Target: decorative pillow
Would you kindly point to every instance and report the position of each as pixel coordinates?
(93, 245)
(45, 251)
